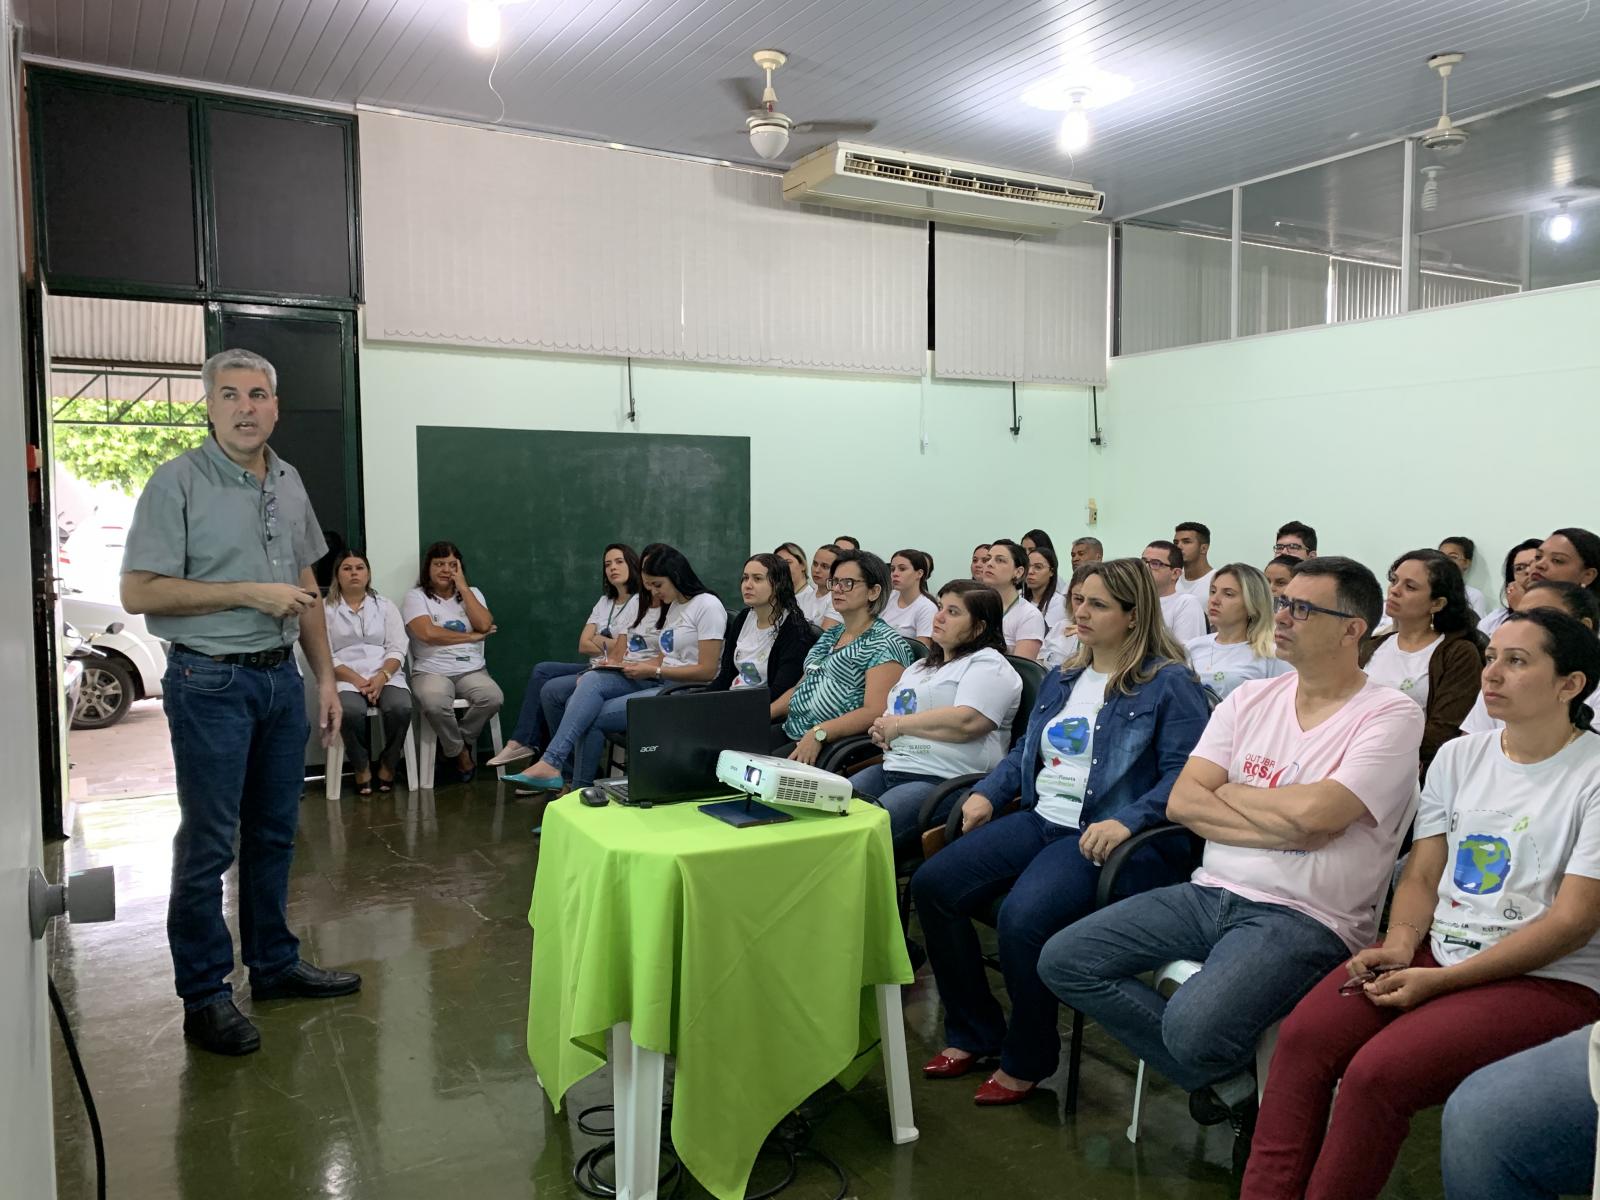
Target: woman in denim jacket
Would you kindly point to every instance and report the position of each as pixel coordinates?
(1110, 732)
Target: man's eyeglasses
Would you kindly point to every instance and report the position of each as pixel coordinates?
(1299, 610)
(1157, 564)
(1289, 548)
(1357, 984)
(843, 585)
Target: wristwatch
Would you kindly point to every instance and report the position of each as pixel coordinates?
(820, 734)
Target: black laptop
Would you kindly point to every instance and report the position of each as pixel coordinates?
(673, 743)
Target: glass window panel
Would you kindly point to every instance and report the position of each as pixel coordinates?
(1173, 285)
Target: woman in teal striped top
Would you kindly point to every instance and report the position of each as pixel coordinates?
(849, 671)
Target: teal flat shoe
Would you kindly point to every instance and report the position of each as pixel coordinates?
(552, 783)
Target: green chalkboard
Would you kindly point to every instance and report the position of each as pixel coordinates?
(533, 509)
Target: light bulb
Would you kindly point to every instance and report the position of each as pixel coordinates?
(768, 140)
(1559, 227)
(483, 24)
(1074, 137)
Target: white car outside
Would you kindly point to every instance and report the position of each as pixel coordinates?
(132, 669)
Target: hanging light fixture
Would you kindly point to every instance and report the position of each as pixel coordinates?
(1075, 132)
(1561, 225)
(483, 23)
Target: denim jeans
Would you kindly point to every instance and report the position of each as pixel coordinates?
(1047, 884)
(612, 718)
(238, 747)
(531, 728)
(1523, 1128)
(902, 795)
(593, 689)
(1260, 959)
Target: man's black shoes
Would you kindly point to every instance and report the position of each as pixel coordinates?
(221, 1028)
(307, 982)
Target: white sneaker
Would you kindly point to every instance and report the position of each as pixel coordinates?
(513, 752)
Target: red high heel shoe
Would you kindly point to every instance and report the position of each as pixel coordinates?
(992, 1094)
(942, 1066)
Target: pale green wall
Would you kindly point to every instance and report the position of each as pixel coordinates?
(1386, 435)
(829, 454)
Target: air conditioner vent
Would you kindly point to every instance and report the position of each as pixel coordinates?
(873, 180)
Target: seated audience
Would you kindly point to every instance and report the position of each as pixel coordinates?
(1184, 615)
(1540, 1147)
(1297, 540)
(1023, 623)
(980, 556)
(949, 714)
(1514, 574)
(1061, 643)
(911, 608)
(816, 601)
(1569, 554)
(850, 669)
(795, 559)
(448, 620)
(1433, 654)
(1038, 539)
(604, 636)
(1302, 788)
(690, 624)
(1194, 541)
(1106, 739)
(368, 642)
(766, 644)
(1240, 610)
(1577, 602)
(845, 542)
(1279, 571)
(1044, 588)
(1460, 551)
(1086, 550)
(1491, 948)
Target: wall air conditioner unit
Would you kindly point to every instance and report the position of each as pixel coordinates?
(924, 188)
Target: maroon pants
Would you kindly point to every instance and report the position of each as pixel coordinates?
(1388, 1065)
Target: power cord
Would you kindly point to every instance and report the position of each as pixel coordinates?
(791, 1139)
(83, 1087)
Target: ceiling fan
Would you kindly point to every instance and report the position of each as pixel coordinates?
(768, 128)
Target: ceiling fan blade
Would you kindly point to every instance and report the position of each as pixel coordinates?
(808, 127)
(744, 92)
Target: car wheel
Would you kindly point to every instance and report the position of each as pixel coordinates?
(106, 694)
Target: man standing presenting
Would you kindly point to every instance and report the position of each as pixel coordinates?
(1194, 539)
(219, 558)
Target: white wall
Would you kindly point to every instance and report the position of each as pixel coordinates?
(1385, 435)
(829, 454)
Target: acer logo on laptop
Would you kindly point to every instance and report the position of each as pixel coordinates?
(648, 749)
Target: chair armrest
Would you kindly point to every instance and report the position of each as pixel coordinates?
(1118, 857)
(931, 803)
(680, 689)
(836, 755)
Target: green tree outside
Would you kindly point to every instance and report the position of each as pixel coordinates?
(125, 454)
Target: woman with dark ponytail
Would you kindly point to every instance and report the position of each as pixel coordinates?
(767, 643)
(1491, 947)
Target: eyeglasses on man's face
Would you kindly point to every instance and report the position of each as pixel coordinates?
(1158, 564)
(1289, 548)
(1300, 610)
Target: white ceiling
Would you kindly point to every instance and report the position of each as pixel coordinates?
(1224, 90)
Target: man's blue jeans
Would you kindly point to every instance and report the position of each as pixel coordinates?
(532, 729)
(1523, 1128)
(238, 746)
(1260, 959)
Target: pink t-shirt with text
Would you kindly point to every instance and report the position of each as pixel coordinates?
(1369, 746)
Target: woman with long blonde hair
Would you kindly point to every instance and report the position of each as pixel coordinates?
(1106, 739)
(1239, 609)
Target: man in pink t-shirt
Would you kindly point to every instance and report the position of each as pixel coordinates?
(1303, 787)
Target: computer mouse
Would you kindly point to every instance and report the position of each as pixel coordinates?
(594, 797)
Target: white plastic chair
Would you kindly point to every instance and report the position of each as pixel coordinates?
(333, 782)
(1166, 980)
(428, 744)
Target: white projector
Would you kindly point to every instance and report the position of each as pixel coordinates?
(781, 781)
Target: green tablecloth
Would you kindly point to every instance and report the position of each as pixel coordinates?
(749, 954)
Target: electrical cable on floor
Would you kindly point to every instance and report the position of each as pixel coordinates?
(83, 1087)
(791, 1139)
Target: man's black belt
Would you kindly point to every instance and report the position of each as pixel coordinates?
(263, 660)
